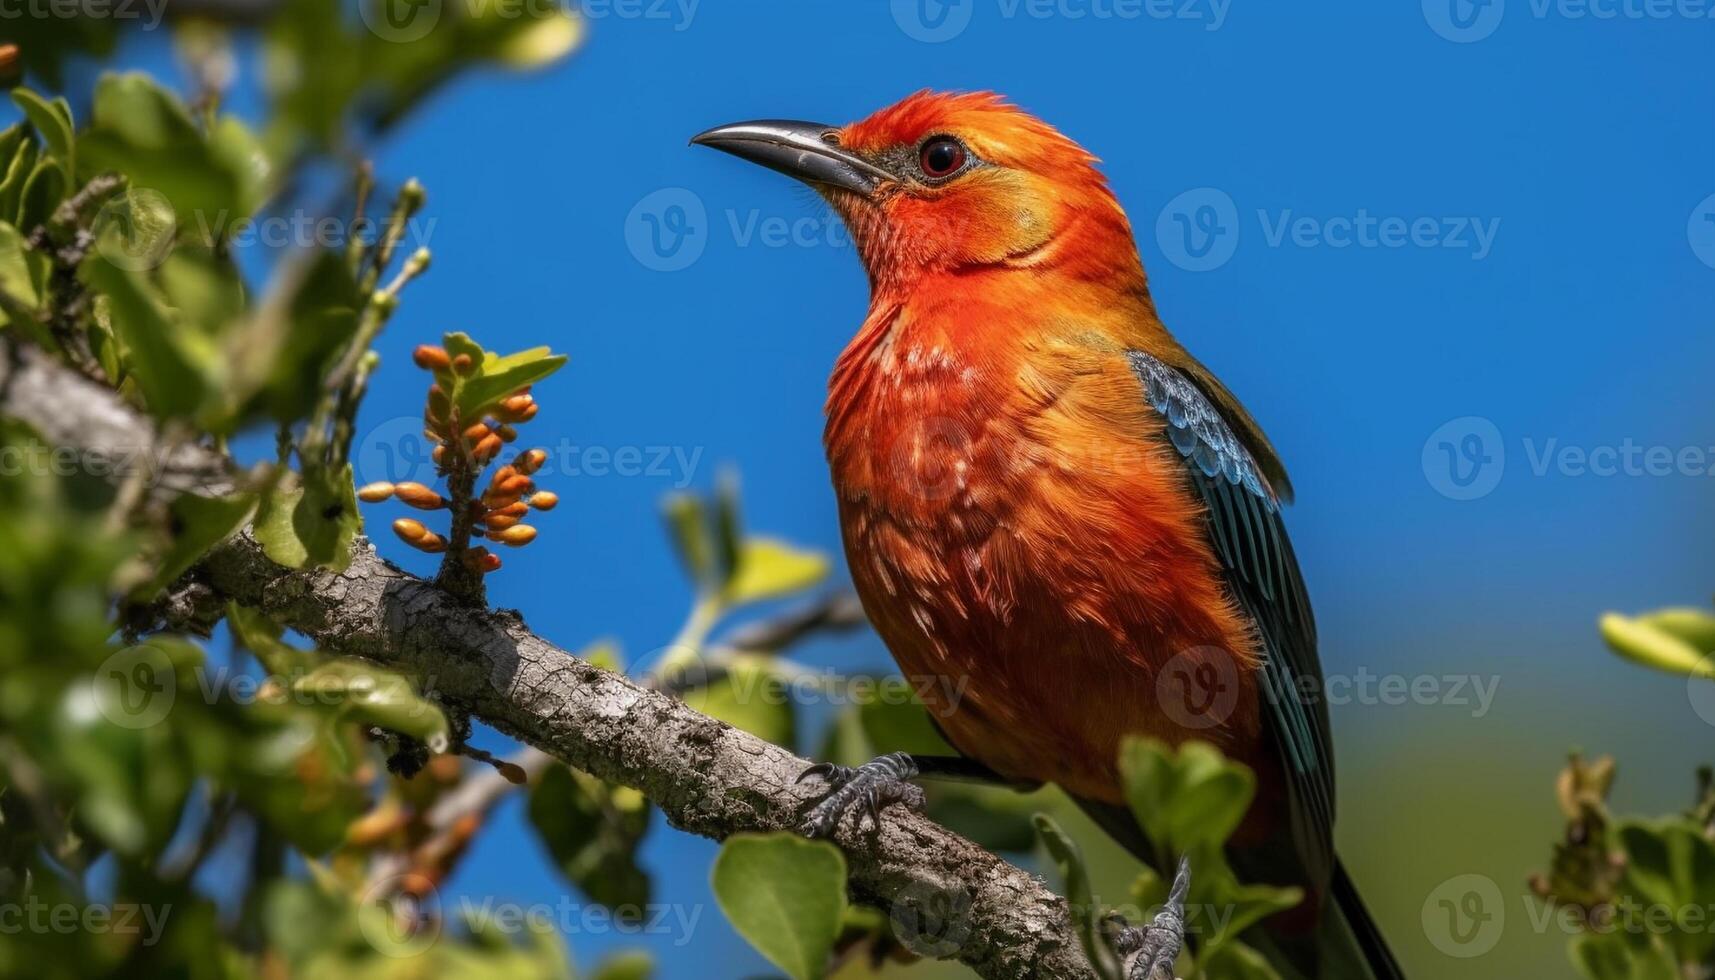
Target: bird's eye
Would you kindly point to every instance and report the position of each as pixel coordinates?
(941, 157)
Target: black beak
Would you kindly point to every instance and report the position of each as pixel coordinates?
(803, 150)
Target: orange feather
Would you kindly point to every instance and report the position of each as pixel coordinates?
(1015, 519)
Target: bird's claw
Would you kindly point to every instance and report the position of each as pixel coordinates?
(873, 786)
(1149, 951)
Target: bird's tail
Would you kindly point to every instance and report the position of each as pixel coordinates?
(1352, 944)
(1343, 944)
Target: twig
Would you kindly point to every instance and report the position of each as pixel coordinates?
(836, 612)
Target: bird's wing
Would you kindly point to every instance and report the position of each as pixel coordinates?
(1249, 538)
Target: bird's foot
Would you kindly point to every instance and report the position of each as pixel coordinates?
(1149, 951)
(873, 785)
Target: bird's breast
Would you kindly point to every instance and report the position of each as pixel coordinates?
(1024, 543)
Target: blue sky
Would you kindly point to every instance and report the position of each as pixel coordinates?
(1414, 231)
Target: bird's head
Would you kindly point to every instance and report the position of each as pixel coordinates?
(945, 181)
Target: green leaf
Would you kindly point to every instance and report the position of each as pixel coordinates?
(305, 778)
(173, 382)
(206, 291)
(499, 378)
(688, 527)
(1189, 802)
(769, 569)
(532, 44)
(11, 138)
(310, 520)
(21, 270)
(113, 744)
(287, 349)
(1246, 905)
(626, 965)
(593, 831)
(362, 692)
(200, 524)
(1086, 914)
(1615, 956)
(727, 532)
(261, 636)
(786, 896)
(53, 121)
(1670, 866)
(143, 131)
(1236, 961)
(16, 276)
(1188, 799)
(1694, 626)
(1663, 646)
(17, 171)
(43, 192)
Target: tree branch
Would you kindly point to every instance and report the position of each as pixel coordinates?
(707, 777)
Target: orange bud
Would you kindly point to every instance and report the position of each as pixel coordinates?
(463, 364)
(476, 433)
(516, 537)
(439, 455)
(431, 358)
(409, 531)
(516, 508)
(527, 414)
(518, 486)
(375, 493)
(544, 500)
(530, 460)
(506, 433)
(418, 496)
(417, 536)
(502, 475)
(494, 500)
(496, 521)
(487, 449)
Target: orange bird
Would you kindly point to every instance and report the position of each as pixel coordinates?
(1048, 503)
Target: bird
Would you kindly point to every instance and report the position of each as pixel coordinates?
(1047, 501)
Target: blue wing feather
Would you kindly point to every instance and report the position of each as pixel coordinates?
(1249, 537)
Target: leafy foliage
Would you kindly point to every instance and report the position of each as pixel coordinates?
(133, 749)
(1641, 890)
(786, 895)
